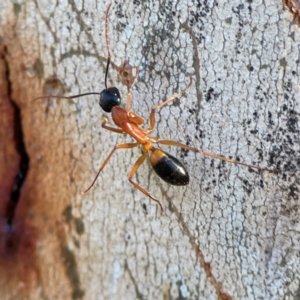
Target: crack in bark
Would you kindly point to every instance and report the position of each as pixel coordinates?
(21, 150)
(205, 265)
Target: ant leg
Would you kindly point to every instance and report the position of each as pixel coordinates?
(117, 130)
(152, 114)
(120, 146)
(173, 143)
(131, 174)
(129, 95)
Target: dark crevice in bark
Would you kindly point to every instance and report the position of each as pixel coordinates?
(24, 165)
(24, 159)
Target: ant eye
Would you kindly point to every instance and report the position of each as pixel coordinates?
(109, 97)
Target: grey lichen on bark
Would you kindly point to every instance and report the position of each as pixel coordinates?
(232, 233)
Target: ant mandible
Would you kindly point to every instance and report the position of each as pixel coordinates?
(166, 166)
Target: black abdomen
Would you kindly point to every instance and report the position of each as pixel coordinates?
(169, 168)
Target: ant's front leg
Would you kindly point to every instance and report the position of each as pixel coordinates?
(117, 130)
(129, 95)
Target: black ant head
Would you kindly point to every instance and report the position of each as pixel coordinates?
(109, 98)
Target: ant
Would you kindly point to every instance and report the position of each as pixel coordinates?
(166, 166)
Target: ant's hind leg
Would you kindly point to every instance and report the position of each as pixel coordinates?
(152, 114)
(176, 144)
(131, 174)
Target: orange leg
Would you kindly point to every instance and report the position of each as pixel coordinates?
(117, 130)
(131, 174)
(120, 146)
(173, 143)
(129, 96)
(152, 114)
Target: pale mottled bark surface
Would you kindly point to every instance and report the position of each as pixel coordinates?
(232, 232)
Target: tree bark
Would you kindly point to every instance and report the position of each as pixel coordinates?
(232, 233)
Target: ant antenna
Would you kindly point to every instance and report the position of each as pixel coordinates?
(107, 44)
(106, 71)
(65, 97)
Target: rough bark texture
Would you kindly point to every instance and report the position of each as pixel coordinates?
(232, 233)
